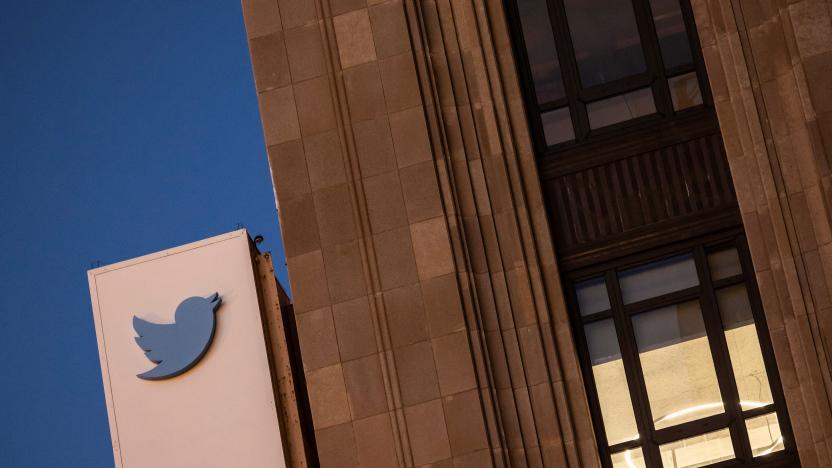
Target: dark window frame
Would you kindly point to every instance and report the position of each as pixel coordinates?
(734, 417)
(593, 147)
(577, 98)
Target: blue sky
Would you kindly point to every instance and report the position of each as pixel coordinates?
(126, 127)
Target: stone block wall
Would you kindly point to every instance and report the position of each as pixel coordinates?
(427, 298)
(770, 67)
(428, 305)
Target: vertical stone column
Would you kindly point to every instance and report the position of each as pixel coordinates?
(427, 300)
(516, 310)
(297, 449)
(770, 67)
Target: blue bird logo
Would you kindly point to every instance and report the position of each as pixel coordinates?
(177, 347)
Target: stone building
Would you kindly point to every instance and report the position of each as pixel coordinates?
(555, 232)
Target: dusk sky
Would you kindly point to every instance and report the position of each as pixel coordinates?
(126, 127)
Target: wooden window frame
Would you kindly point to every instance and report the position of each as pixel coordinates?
(705, 293)
(593, 147)
(577, 98)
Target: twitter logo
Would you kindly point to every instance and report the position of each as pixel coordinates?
(177, 347)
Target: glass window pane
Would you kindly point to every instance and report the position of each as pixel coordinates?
(744, 347)
(557, 126)
(724, 264)
(684, 91)
(540, 47)
(764, 434)
(633, 458)
(677, 364)
(670, 27)
(592, 296)
(610, 382)
(657, 278)
(621, 108)
(700, 450)
(605, 38)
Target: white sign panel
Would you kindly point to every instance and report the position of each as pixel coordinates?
(184, 360)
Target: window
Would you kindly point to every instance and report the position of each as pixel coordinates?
(677, 362)
(672, 340)
(594, 65)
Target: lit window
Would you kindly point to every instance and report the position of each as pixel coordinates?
(675, 357)
(608, 373)
(630, 458)
(675, 363)
(764, 434)
(700, 450)
(744, 346)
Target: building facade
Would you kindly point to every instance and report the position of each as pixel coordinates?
(555, 232)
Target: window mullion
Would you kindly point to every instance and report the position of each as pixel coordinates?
(569, 68)
(721, 357)
(696, 51)
(633, 372)
(765, 344)
(527, 81)
(653, 56)
(589, 378)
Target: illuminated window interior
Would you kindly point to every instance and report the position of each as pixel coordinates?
(674, 350)
(670, 331)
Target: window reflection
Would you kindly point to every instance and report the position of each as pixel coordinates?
(620, 108)
(764, 434)
(592, 296)
(658, 278)
(633, 458)
(605, 63)
(540, 47)
(673, 350)
(670, 28)
(676, 361)
(684, 91)
(700, 450)
(610, 382)
(744, 346)
(724, 264)
(557, 126)
(605, 39)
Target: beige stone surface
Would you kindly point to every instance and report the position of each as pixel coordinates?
(768, 63)
(407, 128)
(355, 38)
